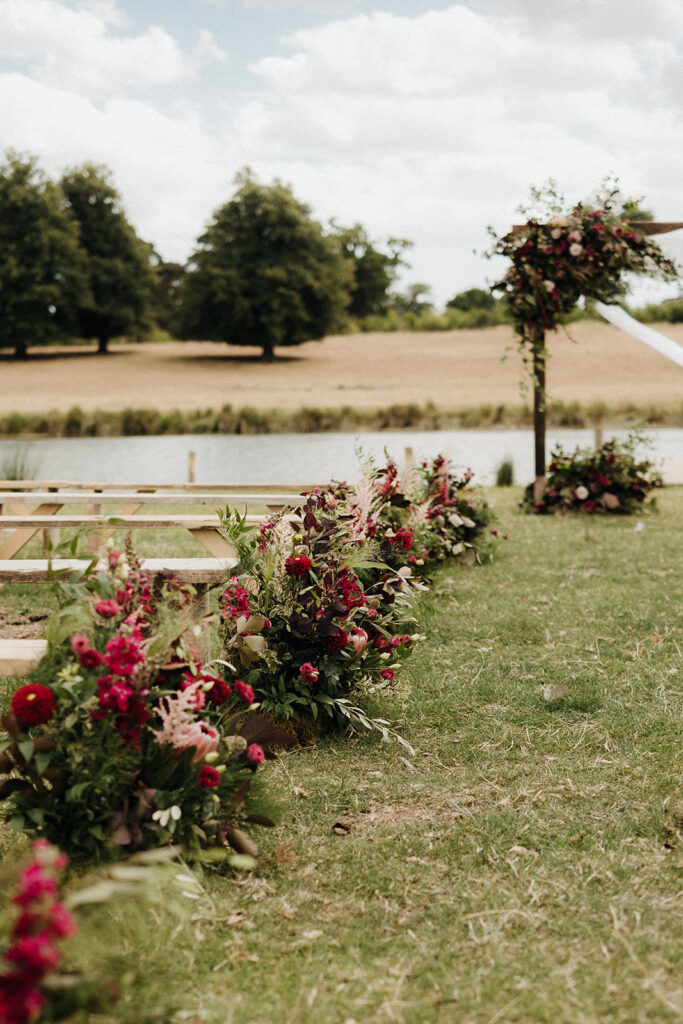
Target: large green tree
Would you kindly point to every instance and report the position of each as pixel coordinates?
(374, 271)
(42, 265)
(119, 263)
(264, 273)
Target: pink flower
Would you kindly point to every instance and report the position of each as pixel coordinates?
(245, 691)
(208, 778)
(122, 655)
(255, 754)
(201, 736)
(108, 609)
(388, 674)
(309, 672)
(80, 643)
(235, 600)
(359, 639)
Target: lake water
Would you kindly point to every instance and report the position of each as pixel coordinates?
(307, 458)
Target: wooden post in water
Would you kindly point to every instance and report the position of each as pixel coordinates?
(191, 467)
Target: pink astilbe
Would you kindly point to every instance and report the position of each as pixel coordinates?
(364, 497)
(179, 729)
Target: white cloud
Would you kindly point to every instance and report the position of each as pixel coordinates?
(430, 127)
(75, 48)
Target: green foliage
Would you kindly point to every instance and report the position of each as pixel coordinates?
(505, 474)
(472, 298)
(264, 273)
(167, 291)
(119, 269)
(43, 274)
(373, 270)
(668, 312)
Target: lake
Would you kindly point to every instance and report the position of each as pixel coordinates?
(308, 458)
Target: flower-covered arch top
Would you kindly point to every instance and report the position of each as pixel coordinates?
(585, 252)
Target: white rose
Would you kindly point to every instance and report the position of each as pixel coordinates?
(575, 249)
(549, 286)
(581, 492)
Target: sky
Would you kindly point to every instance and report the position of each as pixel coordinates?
(421, 120)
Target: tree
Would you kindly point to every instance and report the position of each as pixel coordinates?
(264, 273)
(42, 266)
(373, 271)
(119, 268)
(167, 291)
(414, 300)
(472, 298)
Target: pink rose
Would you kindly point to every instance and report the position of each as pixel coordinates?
(108, 609)
(255, 754)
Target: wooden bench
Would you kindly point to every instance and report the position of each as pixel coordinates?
(19, 656)
(49, 516)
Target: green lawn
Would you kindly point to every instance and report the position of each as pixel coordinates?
(523, 867)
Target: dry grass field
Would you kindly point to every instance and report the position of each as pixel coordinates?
(455, 369)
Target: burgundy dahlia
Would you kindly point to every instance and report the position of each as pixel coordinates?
(33, 704)
(297, 565)
(337, 642)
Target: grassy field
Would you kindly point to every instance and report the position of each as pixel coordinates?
(523, 867)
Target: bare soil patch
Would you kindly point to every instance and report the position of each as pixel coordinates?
(454, 369)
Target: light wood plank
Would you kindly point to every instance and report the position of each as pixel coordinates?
(19, 657)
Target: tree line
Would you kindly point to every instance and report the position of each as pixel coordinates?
(264, 273)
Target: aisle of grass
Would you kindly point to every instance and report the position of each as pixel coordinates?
(522, 867)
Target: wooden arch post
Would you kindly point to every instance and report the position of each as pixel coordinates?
(537, 339)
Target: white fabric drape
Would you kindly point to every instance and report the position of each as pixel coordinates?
(620, 318)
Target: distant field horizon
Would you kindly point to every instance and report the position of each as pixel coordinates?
(590, 362)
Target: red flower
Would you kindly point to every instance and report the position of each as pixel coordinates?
(589, 505)
(309, 672)
(388, 674)
(90, 658)
(209, 778)
(108, 609)
(219, 691)
(244, 691)
(255, 754)
(337, 642)
(33, 704)
(604, 481)
(297, 565)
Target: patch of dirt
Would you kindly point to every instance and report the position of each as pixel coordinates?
(14, 626)
(454, 369)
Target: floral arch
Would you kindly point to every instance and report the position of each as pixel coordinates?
(566, 256)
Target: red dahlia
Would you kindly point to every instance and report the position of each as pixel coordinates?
(297, 565)
(209, 778)
(33, 704)
(337, 642)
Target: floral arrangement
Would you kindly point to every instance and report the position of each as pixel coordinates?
(123, 740)
(429, 516)
(585, 252)
(315, 617)
(33, 952)
(321, 612)
(609, 479)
